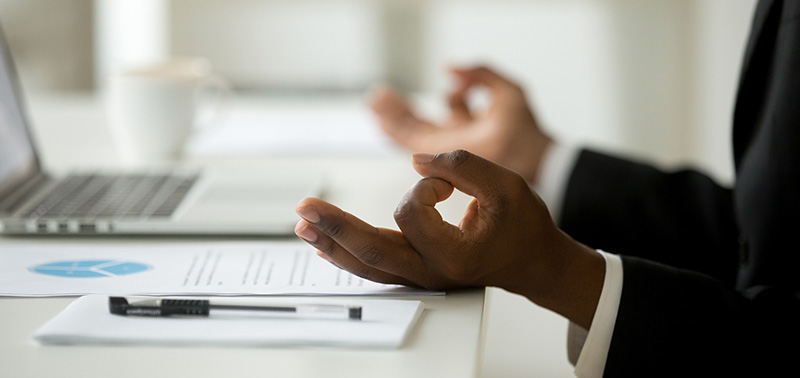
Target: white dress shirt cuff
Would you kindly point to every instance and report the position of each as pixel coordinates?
(592, 361)
(556, 168)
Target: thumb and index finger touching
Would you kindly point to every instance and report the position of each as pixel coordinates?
(389, 256)
(417, 216)
(397, 118)
(467, 172)
(478, 75)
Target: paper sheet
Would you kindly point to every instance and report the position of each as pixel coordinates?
(385, 324)
(270, 268)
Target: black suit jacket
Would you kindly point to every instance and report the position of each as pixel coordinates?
(711, 274)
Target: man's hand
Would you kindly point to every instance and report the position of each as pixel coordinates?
(506, 133)
(506, 239)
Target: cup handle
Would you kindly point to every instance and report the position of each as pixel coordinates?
(211, 94)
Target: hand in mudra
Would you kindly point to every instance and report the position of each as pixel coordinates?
(506, 238)
(506, 132)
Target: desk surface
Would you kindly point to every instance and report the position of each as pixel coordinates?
(447, 342)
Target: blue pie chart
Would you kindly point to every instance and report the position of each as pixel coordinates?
(90, 268)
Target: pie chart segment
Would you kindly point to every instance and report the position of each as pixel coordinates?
(90, 268)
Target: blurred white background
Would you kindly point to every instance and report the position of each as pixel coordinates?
(652, 79)
(655, 79)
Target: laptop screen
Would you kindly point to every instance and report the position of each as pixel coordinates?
(17, 156)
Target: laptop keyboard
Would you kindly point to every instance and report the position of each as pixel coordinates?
(88, 197)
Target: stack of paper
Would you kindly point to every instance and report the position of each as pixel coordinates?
(384, 324)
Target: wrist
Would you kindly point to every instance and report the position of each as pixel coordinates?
(531, 159)
(570, 284)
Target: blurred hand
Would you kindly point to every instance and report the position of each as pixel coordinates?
(506, 133)
(505, 239)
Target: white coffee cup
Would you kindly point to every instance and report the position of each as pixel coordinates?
(154, 109)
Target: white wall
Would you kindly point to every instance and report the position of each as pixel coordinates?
(719, 33)
(308, 44)
(51, 42)
(653, 79)
(129, 34)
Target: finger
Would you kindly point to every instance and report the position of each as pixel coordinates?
(334, 253)
(482, 75)
(459, 110)
(377, 248)
(471, 174)
(397, 119)
(419, 220)
(470, 217)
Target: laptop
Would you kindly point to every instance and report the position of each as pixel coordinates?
(33, 202)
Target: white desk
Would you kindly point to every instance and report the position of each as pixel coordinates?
(447, 342)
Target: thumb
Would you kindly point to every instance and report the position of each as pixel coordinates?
(480, 178)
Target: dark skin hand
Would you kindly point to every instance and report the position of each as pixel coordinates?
(505, 239)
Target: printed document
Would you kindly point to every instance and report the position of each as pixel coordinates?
(269, 268)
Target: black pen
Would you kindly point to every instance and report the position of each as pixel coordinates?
(153, 306)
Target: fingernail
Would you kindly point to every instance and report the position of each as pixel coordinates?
(307, 234)
(308, 213)
(423, 158)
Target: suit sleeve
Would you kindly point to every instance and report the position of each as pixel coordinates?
(681, 219)
(679, 312)
(673, 322)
